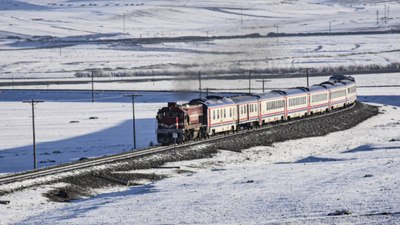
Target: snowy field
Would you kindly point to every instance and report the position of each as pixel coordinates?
(57, 38)
(294, 182)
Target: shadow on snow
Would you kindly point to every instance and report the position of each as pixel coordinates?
(393, 100)
(108, 141)
(368, 148)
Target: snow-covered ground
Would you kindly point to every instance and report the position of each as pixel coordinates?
(64, 131)
(36, 35)
(298, 181)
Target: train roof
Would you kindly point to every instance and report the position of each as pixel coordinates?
(293, 91)
(212, 101)
(340, 84)
(340, 77)
(317, 88)
(327, 84)
(244, 98)
(347, 82)
(271, 94)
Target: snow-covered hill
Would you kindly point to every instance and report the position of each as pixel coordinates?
(19, 5)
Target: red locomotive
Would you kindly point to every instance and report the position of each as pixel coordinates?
(180, 123)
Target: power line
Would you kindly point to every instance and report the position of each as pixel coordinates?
(33, 102)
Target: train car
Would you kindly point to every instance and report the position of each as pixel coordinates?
(338, 98)
(351, 92)
(247, 107)
(297, 102)
(319, 99)
(272, 107)
(221, 113)
(179, 123)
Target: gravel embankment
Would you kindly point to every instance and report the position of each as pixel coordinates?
(312, 127)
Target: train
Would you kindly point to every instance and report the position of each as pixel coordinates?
(212, 115)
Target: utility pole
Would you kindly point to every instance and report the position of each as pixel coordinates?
(377, 17)
(92, 86)
(133, 96)
(277, 33)
(263, 83)
(200, 83)
(388, 17)
(140, 42)
(307, 75)
(33, 102)
(330, 26)
(241, 15)
(384, 13)
(249, 82)
(123, 22)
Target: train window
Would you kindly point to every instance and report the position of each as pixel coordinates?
(213, 114)
(224, 113)
(217, 114)
(245, 108)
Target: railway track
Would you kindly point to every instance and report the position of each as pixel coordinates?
(63, 168)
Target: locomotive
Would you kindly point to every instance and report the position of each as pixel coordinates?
(204, 117)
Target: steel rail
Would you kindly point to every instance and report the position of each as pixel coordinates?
(62, 168)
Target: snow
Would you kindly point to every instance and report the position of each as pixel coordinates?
(293, 182)
(298, 181)
(45, 36)
(61, 140)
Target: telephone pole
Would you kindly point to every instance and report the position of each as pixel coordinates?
(307, 75)
(123, 21)
(277, 33)
(200, 83)
(241, 15)
(33, 102)
(133, 96)
(330, 26)
(263, 83)
(249, 82)
(377, 17)
(92, 86)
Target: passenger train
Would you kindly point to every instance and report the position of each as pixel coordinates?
(204, 117)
